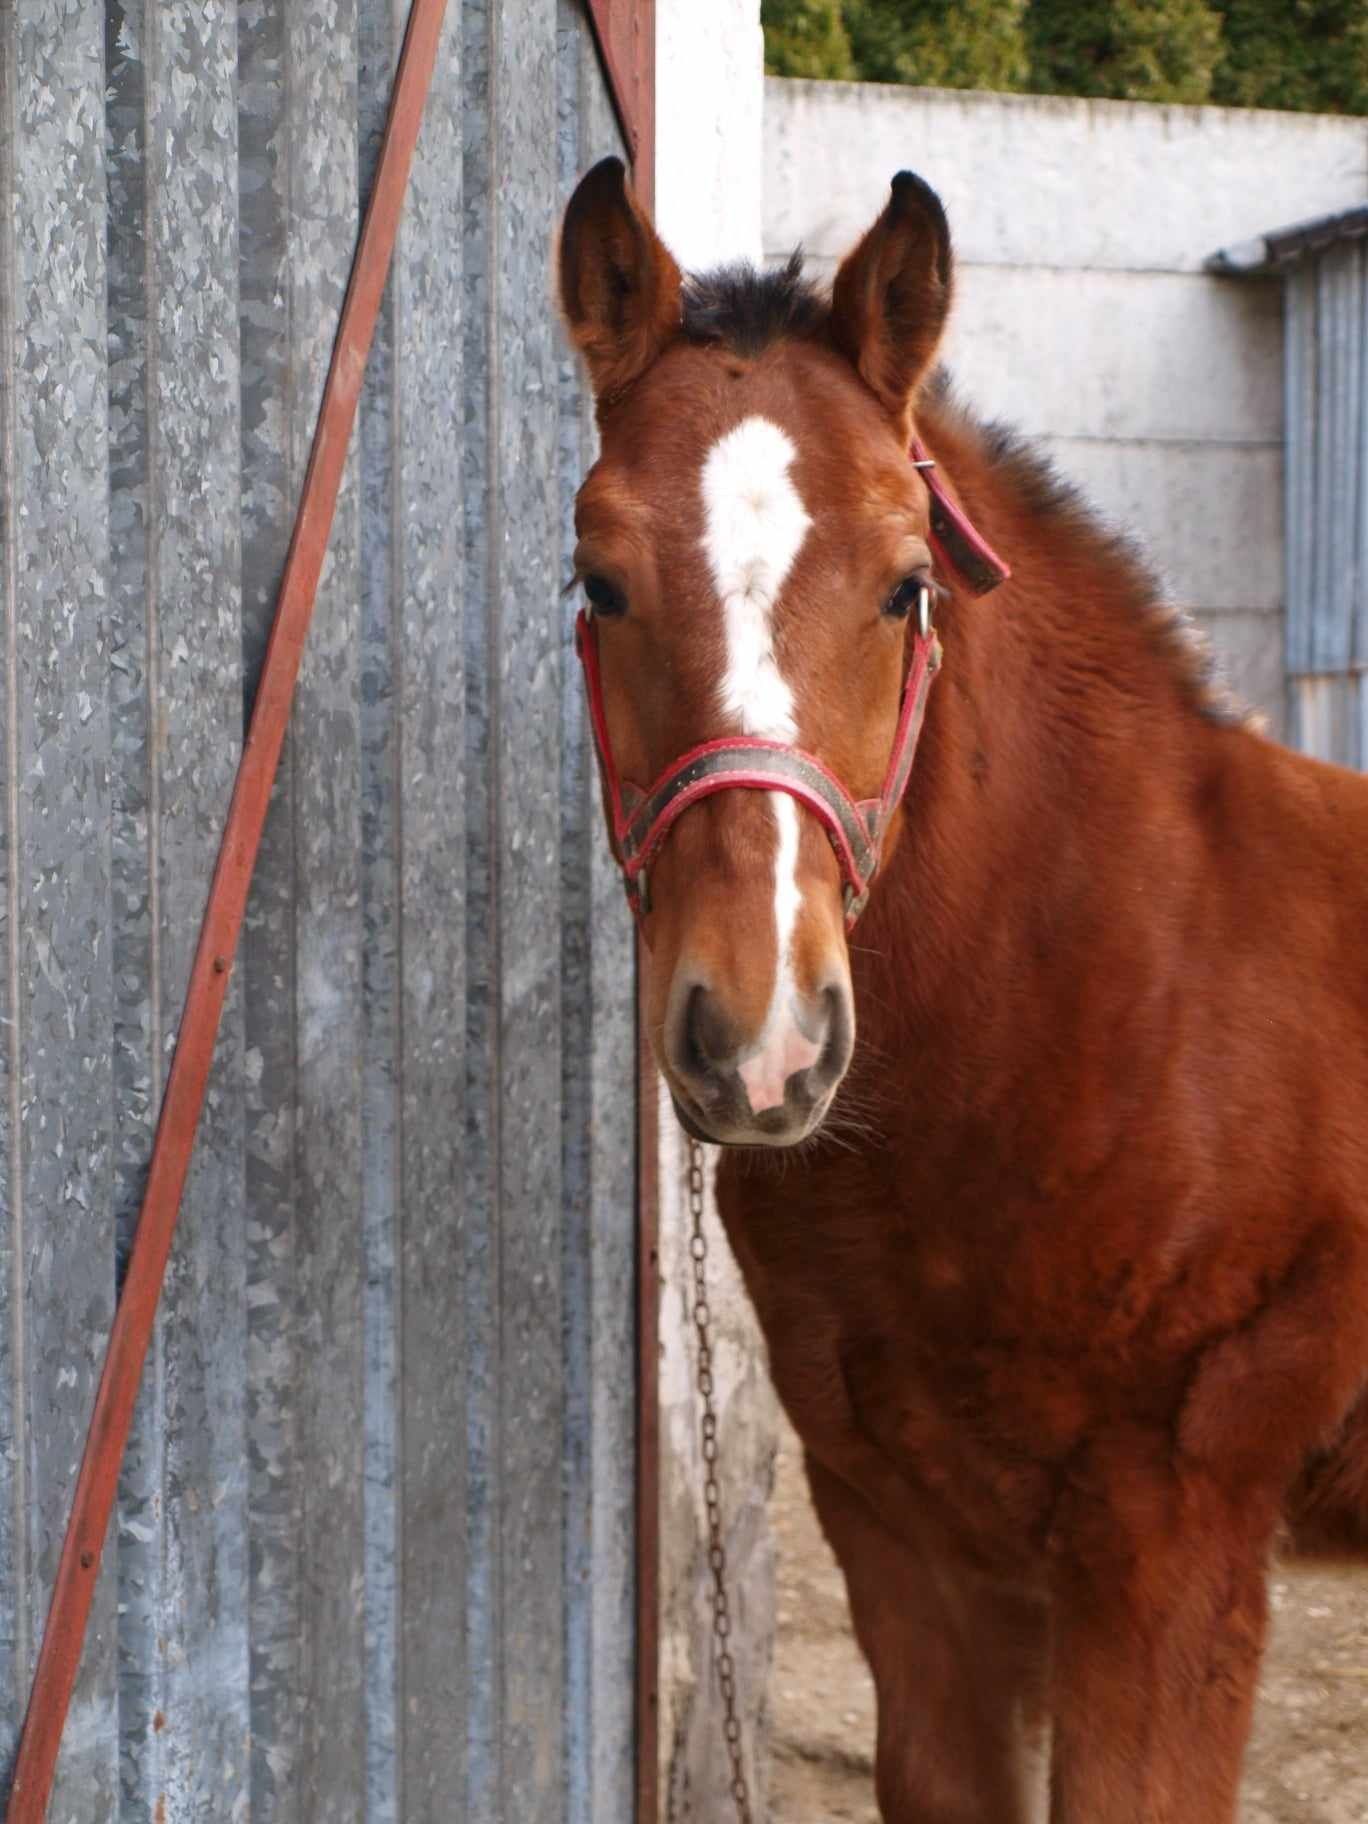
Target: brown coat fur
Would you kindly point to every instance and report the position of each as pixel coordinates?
(1068, 1297)
(1093, 1288)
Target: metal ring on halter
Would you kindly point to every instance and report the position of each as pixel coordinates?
(924, 611)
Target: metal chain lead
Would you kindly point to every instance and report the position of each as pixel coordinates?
(717, 1551)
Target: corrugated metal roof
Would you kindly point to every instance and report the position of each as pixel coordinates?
(1282, 246)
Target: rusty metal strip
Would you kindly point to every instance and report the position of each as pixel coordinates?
(96, 1485)
(648, 1423)
(625, 32)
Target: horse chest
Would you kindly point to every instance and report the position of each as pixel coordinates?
(898, 1357)
(978, 1433)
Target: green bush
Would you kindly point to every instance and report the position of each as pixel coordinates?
(945, 44)
(806, 38)
(1306, 54)
(1131, 50)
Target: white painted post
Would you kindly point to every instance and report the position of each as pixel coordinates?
(709, 99)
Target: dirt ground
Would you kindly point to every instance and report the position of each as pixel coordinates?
(1308, 1763)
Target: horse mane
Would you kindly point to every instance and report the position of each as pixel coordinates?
(1052, 500)
(745, 309)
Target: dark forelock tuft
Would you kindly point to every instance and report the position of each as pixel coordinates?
(745, 310)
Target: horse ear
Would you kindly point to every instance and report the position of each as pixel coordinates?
(620, 288)
(892, 294)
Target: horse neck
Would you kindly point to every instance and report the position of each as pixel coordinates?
(1045, 821)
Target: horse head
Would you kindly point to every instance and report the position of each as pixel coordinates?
(755, 553)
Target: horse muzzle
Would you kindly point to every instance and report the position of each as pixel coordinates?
(770, 1089)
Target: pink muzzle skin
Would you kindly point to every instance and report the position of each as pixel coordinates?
(642, 819)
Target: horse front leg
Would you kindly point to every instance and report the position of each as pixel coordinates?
(960, 1669)
(1159, 1616)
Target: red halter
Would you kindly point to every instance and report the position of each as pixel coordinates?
(641, 820)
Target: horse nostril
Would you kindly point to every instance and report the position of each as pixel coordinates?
(709, 1036)
(837, 1037)
(766, 1081)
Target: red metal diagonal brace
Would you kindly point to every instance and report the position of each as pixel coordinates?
(96, 1485)
(625, 32)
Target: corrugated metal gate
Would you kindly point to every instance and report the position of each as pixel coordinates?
(1327, 503)
(374, 1551)
(1324, 267)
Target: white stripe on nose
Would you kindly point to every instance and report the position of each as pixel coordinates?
(756, 524)
(765, 1075)
(783, 1049)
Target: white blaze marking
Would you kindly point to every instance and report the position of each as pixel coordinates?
(755, 528)
(756, 524)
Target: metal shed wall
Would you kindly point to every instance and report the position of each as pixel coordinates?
(374, 1554)
(1326, 373)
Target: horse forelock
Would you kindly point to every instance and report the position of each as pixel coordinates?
(745, 308)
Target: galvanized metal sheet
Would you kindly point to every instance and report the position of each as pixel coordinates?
(430, 702)
(175, 463)
(478, 1234)
(375, 1548)
(302, 956)
(1299, 395)
(598, 1120)
(56, 987)
(1337, 642)
(381, 1076)
(324, 794)
(139, 1054)
(1357, 492)
(525, 752)
(1339, 318)
(511, 1240)
(415, 833)
(1328, 718)
(1326, 379)
(266, 966)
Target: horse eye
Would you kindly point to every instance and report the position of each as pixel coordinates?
(906, 597)
(604, 598)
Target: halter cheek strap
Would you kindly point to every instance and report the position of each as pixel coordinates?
(957, 544)
(641, 820)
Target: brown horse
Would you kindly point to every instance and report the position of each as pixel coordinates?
(1065, 1288)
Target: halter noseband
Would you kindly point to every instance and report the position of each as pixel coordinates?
(641, 820)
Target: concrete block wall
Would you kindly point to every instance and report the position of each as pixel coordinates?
(1084, 314)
